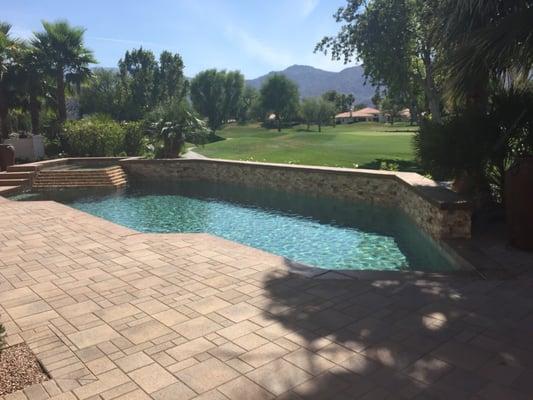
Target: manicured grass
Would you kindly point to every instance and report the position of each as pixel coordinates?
(364, 145)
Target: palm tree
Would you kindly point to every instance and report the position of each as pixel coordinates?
(489, 39)
(33, 79)
(8, 47)
(61, 46)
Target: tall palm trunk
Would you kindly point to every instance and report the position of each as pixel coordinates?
(60, 94)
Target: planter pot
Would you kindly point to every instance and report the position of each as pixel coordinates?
(519, 203)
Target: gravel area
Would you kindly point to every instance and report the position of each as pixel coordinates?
(19, 368)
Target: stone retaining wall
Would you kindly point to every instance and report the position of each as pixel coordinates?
(438, 211)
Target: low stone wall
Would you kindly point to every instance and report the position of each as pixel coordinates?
(436, 210)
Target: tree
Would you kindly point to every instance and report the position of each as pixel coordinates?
(309, 110)
(248, 104)
(208, 96)
(218, 95)
(138, 72)
(233, 92)
(8, 65)
(279, 96)
(102, 94)
(325, 112)
(395, 42)
(485, 42)
(33, 80)
(62, 48)
(392, 106)
(342, 102)
(170, 81)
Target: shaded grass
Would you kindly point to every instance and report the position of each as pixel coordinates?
(364, 145)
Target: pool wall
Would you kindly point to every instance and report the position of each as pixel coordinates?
(438, 211)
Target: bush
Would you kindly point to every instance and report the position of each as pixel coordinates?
(134, 141)
(95, 136)
(52, 147)
(479, 145)
(460, 144)
(173, 124)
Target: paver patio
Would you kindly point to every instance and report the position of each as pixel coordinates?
(116, 314)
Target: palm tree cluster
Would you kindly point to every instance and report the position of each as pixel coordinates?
(38, 72)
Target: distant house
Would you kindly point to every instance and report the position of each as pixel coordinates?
(367, 114)
(403, 115)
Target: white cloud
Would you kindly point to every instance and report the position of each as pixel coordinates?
(307, 7)
(276, 58)
(127, 41)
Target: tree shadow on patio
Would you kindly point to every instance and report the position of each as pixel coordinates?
(403, 338)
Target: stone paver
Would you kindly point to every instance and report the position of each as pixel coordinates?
(116, 314)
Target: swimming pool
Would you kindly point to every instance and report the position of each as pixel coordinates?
(318, 231)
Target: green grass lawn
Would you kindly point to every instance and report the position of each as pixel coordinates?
(364, 145)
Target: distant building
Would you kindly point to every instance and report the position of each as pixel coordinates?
(367, 114)
(405, 114)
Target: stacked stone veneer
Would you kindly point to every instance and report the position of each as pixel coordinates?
(438, 211)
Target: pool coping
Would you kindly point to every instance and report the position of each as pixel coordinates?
(428, 189)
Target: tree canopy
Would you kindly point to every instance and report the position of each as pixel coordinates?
(394, 41)
(62, 49)
(279, 95)
(217, 95)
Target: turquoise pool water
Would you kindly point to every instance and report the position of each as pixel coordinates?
(321, 232)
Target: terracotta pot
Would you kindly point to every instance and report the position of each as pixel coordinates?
(519, 203)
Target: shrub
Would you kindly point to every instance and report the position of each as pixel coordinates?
(52, 147)
(95, 136)
(460, 144)
(479, 145)
(175, 123)
(134, 142)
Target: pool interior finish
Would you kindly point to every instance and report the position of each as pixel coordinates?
(318, 231)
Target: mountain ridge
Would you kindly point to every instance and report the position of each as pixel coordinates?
(314, 82)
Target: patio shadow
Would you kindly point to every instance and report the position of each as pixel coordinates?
(399, 338)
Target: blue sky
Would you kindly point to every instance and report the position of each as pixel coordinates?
(253, 36)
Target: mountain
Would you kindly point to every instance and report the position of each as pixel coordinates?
(314, 82)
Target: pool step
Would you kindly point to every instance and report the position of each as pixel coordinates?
(13, 181)
(16, 175)
(23, 168)
(7, 190)
(82, 178)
